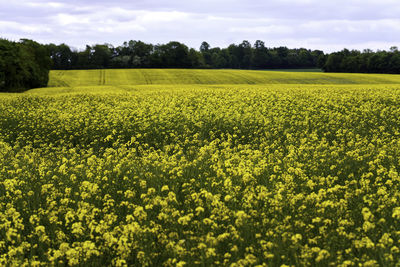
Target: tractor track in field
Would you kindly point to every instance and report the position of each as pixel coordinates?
(60, 82)
(102, 77)
(146, 77)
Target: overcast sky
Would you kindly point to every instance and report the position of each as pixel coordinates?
(315, 24)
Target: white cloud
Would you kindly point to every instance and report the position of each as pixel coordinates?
(145, 17)
(10, 26)
(54, 5)
(308, 23)
(272, 29)
(63, 19)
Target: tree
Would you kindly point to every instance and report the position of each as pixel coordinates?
(23, 65)
(321, 60)
(83, 58)
(62, 56)
(140, 53)
(204, 47)
(36, 61)
(244, 54)
(173, 55)
(196, 59)
(207, 55)
(395, 62)
(306, 60)
(333, 62)
(218, 60)
(100, 56)
(8, 65)
(260, 56)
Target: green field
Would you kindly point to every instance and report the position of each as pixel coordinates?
(201, 167)
(119, 77)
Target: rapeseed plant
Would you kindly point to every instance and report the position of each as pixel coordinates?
(268, 175)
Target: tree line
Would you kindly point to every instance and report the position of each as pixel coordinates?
(366, 61)
(23, 65)
(138, 54)
(26, 64)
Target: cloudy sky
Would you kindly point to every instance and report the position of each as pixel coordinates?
(315, 24)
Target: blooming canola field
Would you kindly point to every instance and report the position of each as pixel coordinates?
(243, 168)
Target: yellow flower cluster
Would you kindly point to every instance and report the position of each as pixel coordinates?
(215, 175)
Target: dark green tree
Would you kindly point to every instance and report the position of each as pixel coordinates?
(23, 65)
(260, 56)
(100, 56)
(244, 54)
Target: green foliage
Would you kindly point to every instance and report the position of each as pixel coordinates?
(23, 65)
(137, 54)
(365, 62)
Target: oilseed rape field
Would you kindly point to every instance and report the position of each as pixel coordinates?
(201, 168)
